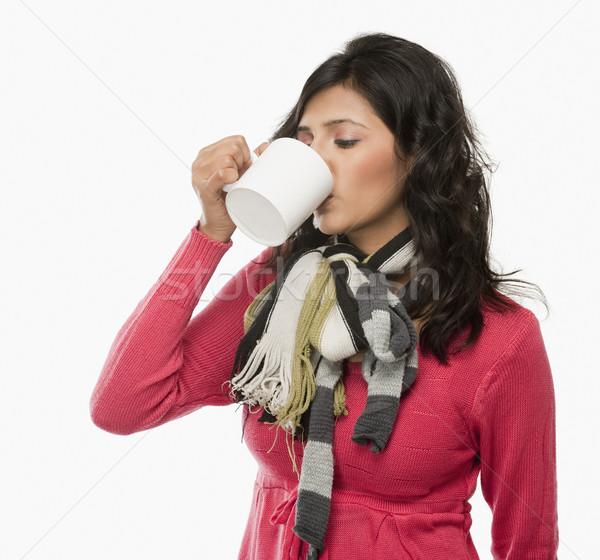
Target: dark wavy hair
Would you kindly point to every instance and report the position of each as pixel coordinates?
(416, 94)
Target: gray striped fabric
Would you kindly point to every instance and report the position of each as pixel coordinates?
(316, 479)
(366, 315)
(390, 361)
(389, 365)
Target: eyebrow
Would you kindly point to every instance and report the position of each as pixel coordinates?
(331, 123)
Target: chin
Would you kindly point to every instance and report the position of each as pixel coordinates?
(326, 226)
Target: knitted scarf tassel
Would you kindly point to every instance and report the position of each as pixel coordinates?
(327, 304)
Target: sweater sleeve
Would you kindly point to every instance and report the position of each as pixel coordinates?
(162, 365)
(513, 421)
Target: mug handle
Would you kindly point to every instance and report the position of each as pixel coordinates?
(253, 158)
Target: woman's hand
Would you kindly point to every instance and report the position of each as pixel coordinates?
(215, 166)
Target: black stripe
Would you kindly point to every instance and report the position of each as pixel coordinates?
(376, 421)
(389, 249)
(410, 374)
(348, 304)
(333, 250)
(312, 516)
(320, 426)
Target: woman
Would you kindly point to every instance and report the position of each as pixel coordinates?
(396, 384)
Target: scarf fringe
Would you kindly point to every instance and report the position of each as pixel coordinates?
(290, 360)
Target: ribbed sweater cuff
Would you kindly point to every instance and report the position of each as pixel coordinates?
(191, 268)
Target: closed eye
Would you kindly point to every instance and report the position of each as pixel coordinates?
(346, 143)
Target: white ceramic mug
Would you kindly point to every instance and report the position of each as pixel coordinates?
(279, 191)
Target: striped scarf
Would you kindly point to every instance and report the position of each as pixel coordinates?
(326, 305)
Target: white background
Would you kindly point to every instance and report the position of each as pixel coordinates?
(104, 106)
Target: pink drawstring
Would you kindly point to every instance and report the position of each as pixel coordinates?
(285, 513)
(285, 508)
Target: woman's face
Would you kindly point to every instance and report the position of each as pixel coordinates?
(368, 177)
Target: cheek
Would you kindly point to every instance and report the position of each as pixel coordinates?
(377, 171)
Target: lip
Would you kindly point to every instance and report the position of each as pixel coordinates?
(325, 202)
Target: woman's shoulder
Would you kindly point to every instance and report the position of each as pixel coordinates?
(516, 333)
(509, 352)
(518, 371)
(503, 331)
(508, 323)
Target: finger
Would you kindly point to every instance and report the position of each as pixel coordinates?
(240, 152)
(260, 149)
(220, 178)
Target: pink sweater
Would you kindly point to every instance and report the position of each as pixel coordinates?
(492, 409)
